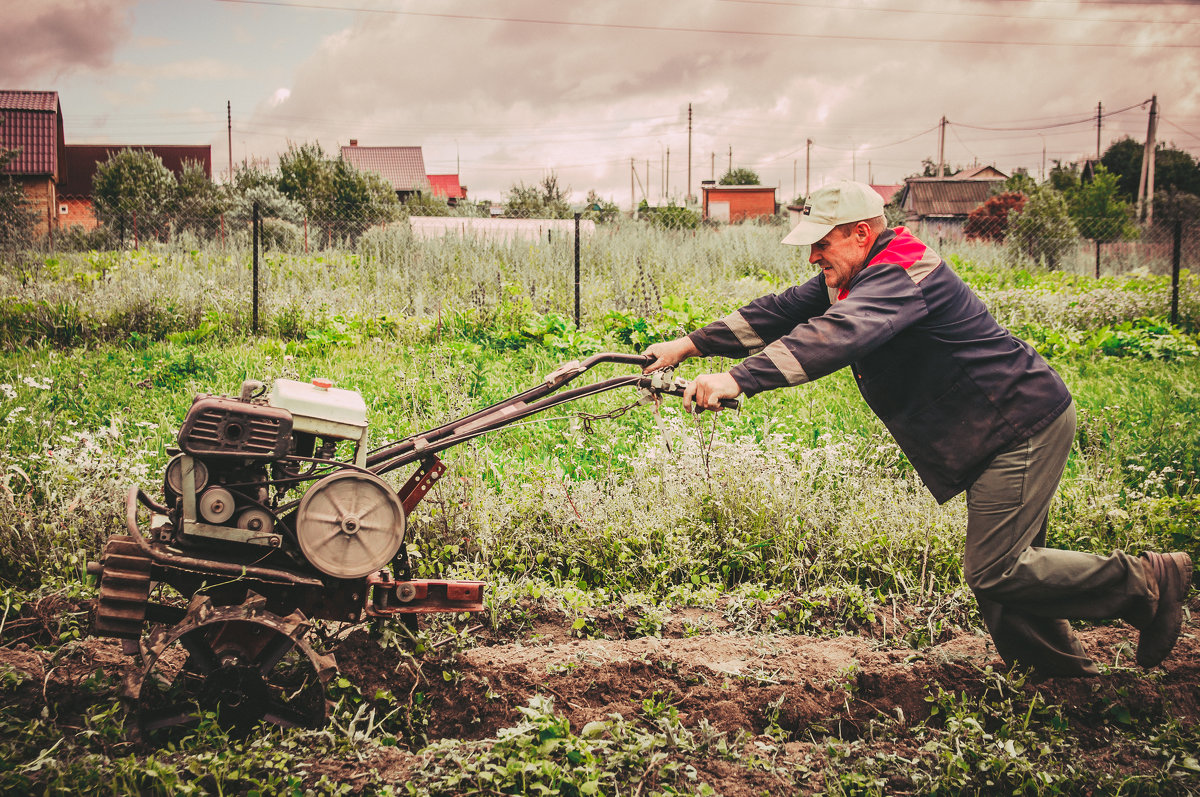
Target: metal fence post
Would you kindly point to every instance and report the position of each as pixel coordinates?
(1176, 255)
(577, 215)
(255, 223)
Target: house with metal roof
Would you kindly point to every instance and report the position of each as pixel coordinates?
(56, 176)
(945, 202)
(403, 167)
(448, 187)
(82, 161)
(32, 123)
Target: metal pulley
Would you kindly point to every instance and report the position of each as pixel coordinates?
(216, 505)
(350, 524)
(174, 474)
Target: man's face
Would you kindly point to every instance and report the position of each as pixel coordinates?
(840, 255)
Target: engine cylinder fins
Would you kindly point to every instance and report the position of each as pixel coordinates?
(216, 505)
(240, 662)
(350, 524)
(120, 608)
(173, 480)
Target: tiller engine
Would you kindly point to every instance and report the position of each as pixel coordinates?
(275, 515)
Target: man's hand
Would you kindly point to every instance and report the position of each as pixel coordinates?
(707, 390)
(669, 353)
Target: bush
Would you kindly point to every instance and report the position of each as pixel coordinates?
(1043, 230)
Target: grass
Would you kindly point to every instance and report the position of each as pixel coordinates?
(794, 514)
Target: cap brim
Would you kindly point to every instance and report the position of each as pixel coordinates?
(807, 233)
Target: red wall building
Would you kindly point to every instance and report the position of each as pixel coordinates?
(734, 203)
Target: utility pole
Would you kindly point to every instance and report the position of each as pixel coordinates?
(632, 196)
(648, 177)
(854, 165)
(941, 147)
(1099, 108)
(793, 176)
(730, 157)
(688, 198)
(229, 130)
(807, 166)
(1151, 146)
(712, 174)
(667, 175)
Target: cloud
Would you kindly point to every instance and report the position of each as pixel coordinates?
(44, 40)
(512, 100)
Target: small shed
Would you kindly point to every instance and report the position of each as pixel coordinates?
(731, 204)
(945, 202)
(403, 167)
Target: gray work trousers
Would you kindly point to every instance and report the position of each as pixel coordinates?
(1027, 592)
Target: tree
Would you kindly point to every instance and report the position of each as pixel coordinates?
(600, 210)
(306, 177)
(671, 217)
(1043, 230)
(337, 197)
(199, 203)
(739, 176)
(1173, 168)
(1063, 177)
(132, 193)
(17, 218)
(1099, 211)
(546, 200)
(989, 221)
(554, 197)
(1020, 182)
(929, 168)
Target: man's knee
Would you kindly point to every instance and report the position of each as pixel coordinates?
(986, 579)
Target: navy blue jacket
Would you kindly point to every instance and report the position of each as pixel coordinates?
(952, 386)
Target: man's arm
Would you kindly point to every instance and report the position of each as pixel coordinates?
(748, 329)
(883, 303)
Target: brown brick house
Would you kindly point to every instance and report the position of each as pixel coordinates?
(32, 124)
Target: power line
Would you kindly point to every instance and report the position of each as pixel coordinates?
(970, 14)
(718, 31)
(1177, 127)
(1088, 120)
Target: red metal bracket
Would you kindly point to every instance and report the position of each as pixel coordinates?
(429, 471)
(386, 595)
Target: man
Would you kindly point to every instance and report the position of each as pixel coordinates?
(974, 408)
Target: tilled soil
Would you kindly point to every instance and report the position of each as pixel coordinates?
(811, 687)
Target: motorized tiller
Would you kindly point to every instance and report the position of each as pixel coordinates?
(276, 515)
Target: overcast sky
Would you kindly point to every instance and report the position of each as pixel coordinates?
(506, 91)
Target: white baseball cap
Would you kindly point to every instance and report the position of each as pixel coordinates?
(831, 205)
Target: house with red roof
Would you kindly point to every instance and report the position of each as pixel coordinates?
(31, 122)
(82, 160)
(403, 167)
(56, 176)
(448, 187)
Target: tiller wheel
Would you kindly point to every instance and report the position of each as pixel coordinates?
(240, 662)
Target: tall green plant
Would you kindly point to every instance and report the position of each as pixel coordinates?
(1043, 230)
(132, 193)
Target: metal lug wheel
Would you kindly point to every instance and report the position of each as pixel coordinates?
(240, 662)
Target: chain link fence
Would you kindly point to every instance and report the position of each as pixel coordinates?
(1091, 246)
(264, 256)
